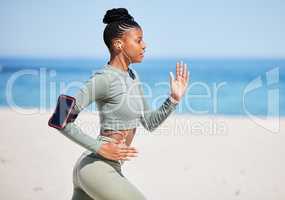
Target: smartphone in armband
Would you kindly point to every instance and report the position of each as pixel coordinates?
(64, 112)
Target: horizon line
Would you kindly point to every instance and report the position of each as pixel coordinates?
(101, 58)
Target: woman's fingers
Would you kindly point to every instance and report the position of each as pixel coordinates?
(128, 148)
(127, 156)
(177, 70)
(187, 76)
(184, 66)
(115, 151)
(181, 70)
(126, 152)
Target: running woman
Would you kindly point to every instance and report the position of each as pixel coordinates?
(115, 88)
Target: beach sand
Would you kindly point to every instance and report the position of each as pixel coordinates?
(188, 157)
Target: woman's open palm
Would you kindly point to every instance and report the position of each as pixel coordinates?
(178, 85)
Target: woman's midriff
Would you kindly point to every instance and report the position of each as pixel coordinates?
(122, 136)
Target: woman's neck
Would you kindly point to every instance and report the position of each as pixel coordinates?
(119, 62)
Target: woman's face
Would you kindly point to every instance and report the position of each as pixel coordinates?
(133, 45)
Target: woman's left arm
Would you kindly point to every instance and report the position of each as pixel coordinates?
(178, 85)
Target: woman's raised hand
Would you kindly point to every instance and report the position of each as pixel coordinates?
(178, 85)
(117, 151)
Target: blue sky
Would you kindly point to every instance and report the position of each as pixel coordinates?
(186, 28)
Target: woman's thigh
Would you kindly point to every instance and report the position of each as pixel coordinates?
(79, 194)
(101, 181)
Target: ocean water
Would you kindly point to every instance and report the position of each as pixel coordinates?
(216, 87)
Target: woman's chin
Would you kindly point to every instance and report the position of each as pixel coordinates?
(139, 60)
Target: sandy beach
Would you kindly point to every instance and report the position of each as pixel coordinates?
(188, 157)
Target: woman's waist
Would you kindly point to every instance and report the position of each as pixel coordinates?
(88, 157)
(118, 135)
(107, 123)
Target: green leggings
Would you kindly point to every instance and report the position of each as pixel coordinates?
(97, 178)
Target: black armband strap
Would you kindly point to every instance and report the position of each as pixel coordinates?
(64, 112)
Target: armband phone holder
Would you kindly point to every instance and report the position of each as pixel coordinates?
(64, 112)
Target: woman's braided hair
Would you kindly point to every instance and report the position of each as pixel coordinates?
(118, 21)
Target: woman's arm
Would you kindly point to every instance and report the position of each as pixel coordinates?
(110, 150)
(96, 88)
(152, 119)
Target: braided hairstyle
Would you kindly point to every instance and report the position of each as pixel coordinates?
(118, 21)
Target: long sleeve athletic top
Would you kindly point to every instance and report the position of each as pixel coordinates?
(120, 102)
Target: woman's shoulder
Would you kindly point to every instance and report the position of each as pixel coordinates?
(102, 73)
(112, 74)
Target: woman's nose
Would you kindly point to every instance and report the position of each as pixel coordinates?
(144, 45)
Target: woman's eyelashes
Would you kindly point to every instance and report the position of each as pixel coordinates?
(139, 40)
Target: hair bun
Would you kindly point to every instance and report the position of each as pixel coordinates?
(117, 14)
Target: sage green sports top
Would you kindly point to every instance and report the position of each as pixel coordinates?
(120, 102)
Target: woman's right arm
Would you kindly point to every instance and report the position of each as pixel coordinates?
(94, 89)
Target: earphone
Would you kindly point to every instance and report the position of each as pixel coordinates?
(119, 45)
(124, 52)
(130, 61)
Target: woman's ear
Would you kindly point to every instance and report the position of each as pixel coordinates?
(118, 44)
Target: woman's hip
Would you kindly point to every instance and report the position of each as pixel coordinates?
(103, 179)
(94, 165)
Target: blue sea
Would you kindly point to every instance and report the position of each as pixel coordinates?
(217, 86)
